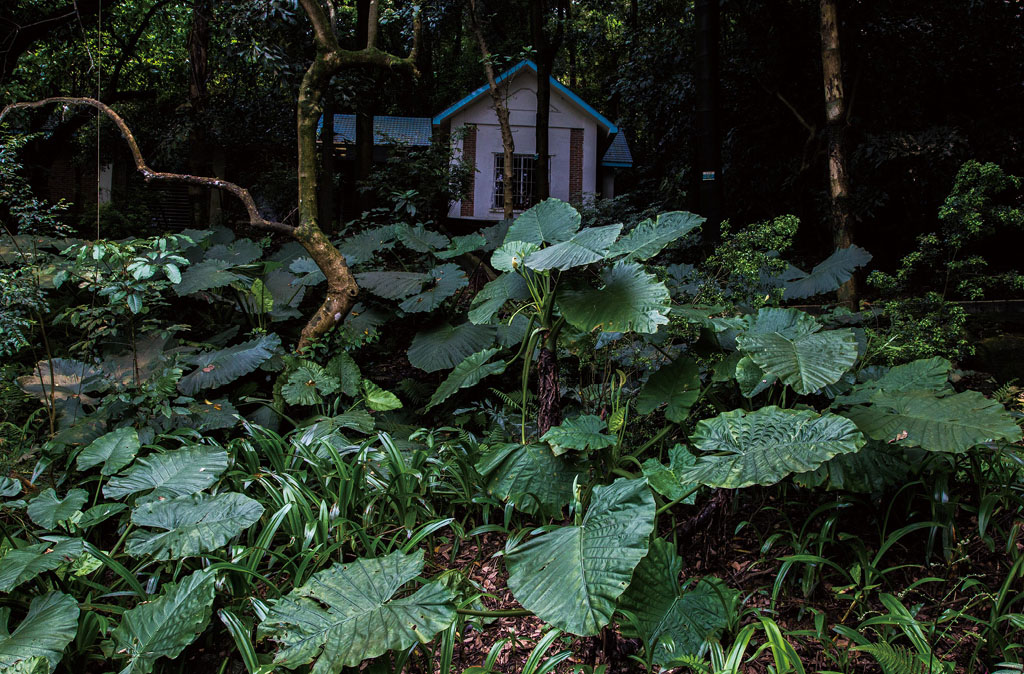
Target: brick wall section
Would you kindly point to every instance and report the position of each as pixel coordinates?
(576, 165)
(469, 154)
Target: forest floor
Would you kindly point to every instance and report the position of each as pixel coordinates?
(730, 548)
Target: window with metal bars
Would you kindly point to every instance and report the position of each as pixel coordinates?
(523, 170)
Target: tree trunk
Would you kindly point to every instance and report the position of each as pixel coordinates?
(508, 143)
(835, 129)
(328, 203)
(198, 150)
(709, 153)
(547, 49)
(548, 395)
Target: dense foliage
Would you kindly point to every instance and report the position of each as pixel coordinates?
(598, 437)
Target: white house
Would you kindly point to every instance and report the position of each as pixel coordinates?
(585, 148)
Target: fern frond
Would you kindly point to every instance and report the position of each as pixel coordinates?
(898, 659)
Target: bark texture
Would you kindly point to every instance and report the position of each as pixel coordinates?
(835, 129)
(546, 44)
(548, 394)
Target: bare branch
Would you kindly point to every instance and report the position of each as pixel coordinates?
(255, 219)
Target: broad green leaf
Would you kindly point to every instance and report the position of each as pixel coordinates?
(751, 378)
(582, 432)
(23, 564)
(361, 247)
(931, 374)
(467, 373)
(677, 384)
(461, 245)
(216, 368)
(346, 371)
(550, 221)
(442, 283)
(262, 298)
(790, 323)
(875, 468)
(442, 347)
(99, 513)
(678, 620)
(378, 399)
(163, 627)
(571, 577)
(307, 383)
(649, 237)
(173, 473)
(47, 510)
(347, 613)
(493, 296)
(49, 626)
(763, 447)
(826, 276)
(391, 285)
(238, 252)
(190, 525)
(631, 300)
(9, 486)
(807, 362)
(668, 480)
(206, 275)
(115, 450)
(531, 476)
(511, 256)
(953, 423)
(586, 246)
(286, 292)
(419, 238)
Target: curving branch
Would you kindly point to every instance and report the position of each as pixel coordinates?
(255, 219)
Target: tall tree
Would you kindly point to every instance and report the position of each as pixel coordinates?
(330, 59)
(198, 48)
(835, 129)
(709, 152)
(546, 44)
(508, 143)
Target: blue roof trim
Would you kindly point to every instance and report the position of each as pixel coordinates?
(616, 164)
(559, 87)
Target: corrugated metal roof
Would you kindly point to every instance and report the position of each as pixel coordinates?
(387, 130)
(618, 153)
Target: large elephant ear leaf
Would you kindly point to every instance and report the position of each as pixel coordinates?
(114, 450)
(216, 368)
(631, 300)
(47, 510)
(765, 446)
(807, 362)
(929, 374)
(511, 256)
(21, 565)
(530, 476)
(550, 221)
(790, 323)
(169, 474)
(391, 285)
(677, 621)
(677, 384)
(49, 626)
(347, 613)
(938, 424)
(667, 480)
(493, 296)
(649, 237)
(875, 468)
(586, 246)
(826, 276)
(583, 432)
(163, 627)
(206, 275)
(190, 525)
(442, 347)
(572, 576)
(442, 282)
(467, 373)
